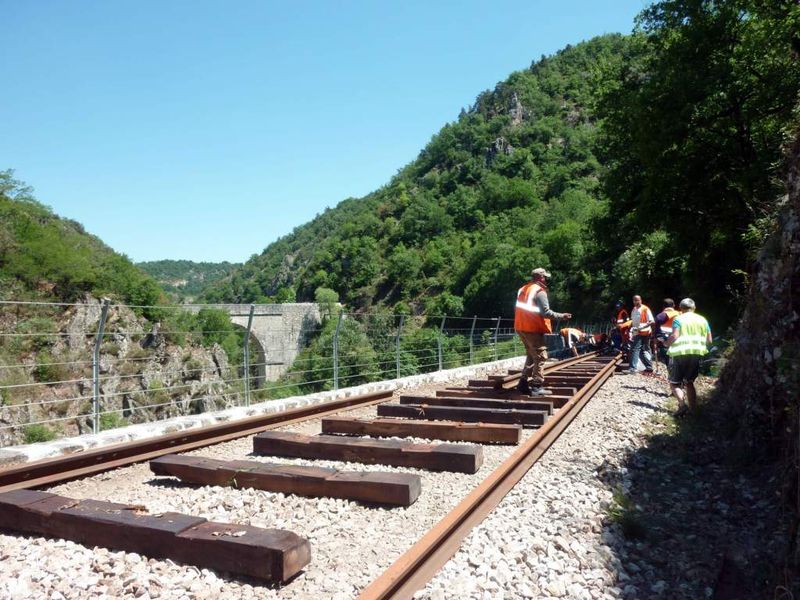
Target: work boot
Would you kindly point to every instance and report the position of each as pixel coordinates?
(540, 391)
(523, 387)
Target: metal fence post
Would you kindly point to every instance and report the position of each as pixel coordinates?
(246, 348)
(439, 342)
(336, 354)
(96, 365)
(496, 332)
(397, 344)
(472, 340)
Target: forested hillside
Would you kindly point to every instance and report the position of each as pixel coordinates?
(644, 163)
(513, 183)
(49, 258)
(45, 348)
(186, 279)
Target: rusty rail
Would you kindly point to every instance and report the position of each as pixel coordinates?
(412, 571)
(60, 469)
(51, 471)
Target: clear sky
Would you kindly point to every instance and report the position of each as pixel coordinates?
(206, 130)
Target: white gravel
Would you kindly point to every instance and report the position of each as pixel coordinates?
(546, 538)
(543, 540)
(351, 543)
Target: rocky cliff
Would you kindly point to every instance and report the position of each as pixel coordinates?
(144, 374)
(761, 381)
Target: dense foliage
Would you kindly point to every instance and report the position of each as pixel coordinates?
(46, 257)
(695, 120)
(186, 279)
(643, 164)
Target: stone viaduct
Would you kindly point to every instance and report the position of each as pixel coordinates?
(278, 333)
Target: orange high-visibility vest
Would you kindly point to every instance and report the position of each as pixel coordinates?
(527, 314)
(666, 328)
(622, 316)
(644, 317)
(571, 335)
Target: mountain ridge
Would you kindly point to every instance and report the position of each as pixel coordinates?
(453, 231)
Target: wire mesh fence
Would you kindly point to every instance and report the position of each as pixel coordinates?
(68, 369)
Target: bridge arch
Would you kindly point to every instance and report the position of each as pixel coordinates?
(277, 335)
(258, 358)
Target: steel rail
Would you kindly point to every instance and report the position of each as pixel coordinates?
(412, 571)
(50, 471)
(60, 469)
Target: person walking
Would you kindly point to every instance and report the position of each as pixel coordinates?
(641, 329)
(532, 314)
(663, 328)
(688, 343)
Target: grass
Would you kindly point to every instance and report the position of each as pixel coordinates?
(112, 420)
(623, 512)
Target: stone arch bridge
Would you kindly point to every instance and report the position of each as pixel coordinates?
(277, 334)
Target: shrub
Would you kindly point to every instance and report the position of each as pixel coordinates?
(112, 420)
(33, 434)
(110, 348)
(627, 515)
(48, 369)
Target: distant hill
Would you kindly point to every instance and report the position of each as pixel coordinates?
(48, 258)
(512, 184)
(185, 278)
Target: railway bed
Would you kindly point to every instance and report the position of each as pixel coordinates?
(331, 526)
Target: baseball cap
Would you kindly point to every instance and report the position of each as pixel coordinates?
(540, 272)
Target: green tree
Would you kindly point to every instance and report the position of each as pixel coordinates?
(694, 119)
(327, 300)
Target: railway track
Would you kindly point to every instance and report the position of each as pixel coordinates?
(485, 411)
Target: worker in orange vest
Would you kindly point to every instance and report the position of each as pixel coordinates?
(663, 326)
(622, 314)
(642, 322)
(573, 336)
(532, 314)
(621, 323)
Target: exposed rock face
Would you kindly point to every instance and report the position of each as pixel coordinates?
(517, 111)
(761, 382)
(143, 375)
(499, 146)
(762, 378)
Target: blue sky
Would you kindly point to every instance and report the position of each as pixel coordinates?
(206, 130)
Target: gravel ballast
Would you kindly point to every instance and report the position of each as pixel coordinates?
(549, 537)
(351, 542)
(545, 539)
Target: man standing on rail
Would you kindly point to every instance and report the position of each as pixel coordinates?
(532, 316)
(688, 343)
(641, 329)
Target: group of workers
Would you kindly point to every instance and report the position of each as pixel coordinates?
(681, 336)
